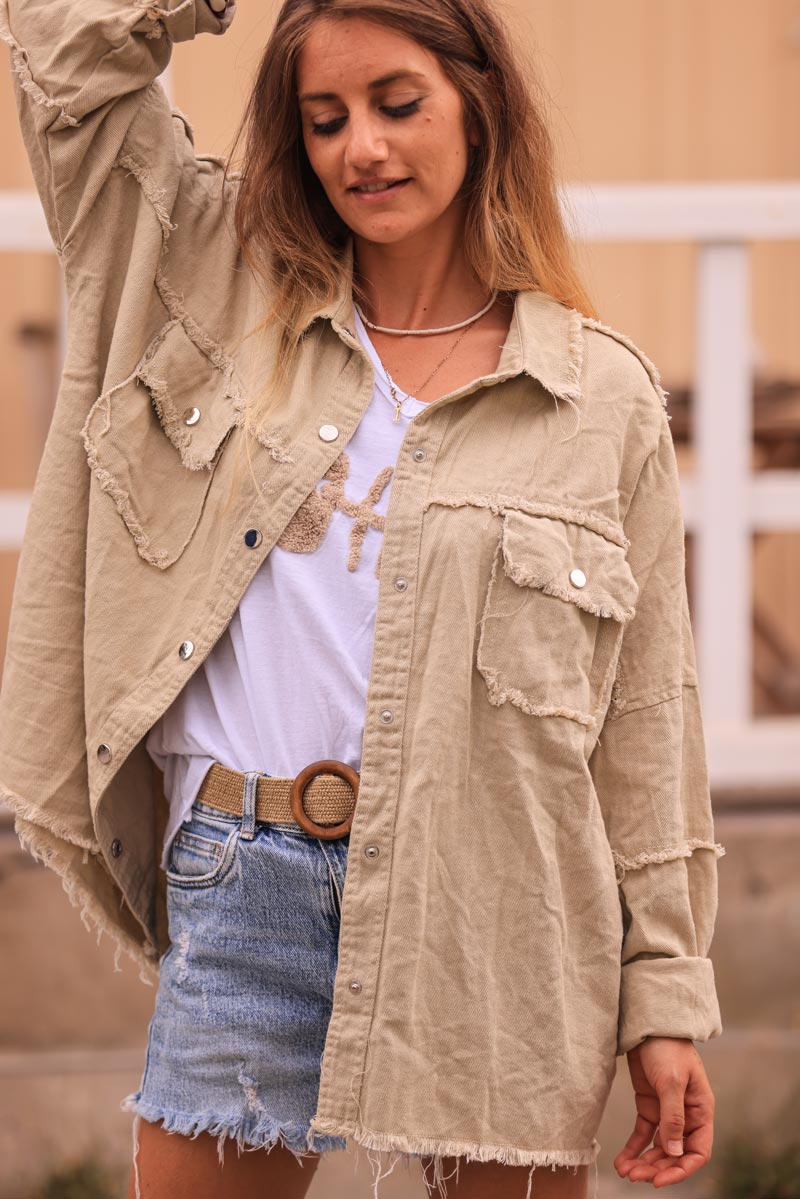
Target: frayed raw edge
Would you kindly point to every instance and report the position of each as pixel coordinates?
(161, 13)
(652, 370)
(21, 67)
(542, 582)
(156, 195)
(175, 306)
(575, 351)
(176, 430)
(92, 915)
(415, 1146)
(248, 1135)
(499, 504)
(670, 854)
(35, 815)
(498, 694)
(120, 496)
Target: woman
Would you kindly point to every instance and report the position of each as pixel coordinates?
(526, 899)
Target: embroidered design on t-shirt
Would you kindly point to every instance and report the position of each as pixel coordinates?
(306, 530)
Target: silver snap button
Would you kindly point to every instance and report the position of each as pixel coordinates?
(419, 455)
(371, 851)
(328, 432)
(387, 716)
(116, 847)
(577, 577)
(401, 584)
(252, 538)
(186, 649)
(191, 416)
(104, 752)
(355, 986)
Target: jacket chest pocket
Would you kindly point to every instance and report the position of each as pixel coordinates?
(154, 441)
(558, 599)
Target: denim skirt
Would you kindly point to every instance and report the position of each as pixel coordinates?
(245, 990)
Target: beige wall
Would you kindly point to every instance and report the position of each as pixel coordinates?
(641, 90)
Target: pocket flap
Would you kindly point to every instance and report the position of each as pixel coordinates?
(155, 466)
(185, 385)
(569, 561)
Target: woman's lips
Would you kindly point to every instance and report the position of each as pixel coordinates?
(373, 197)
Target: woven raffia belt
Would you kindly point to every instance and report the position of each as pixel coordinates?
(322, 806)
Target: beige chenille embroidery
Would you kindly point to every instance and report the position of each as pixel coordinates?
(306, 530)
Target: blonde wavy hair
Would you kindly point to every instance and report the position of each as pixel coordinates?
(293, 239)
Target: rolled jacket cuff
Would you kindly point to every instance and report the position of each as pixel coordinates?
(183, 20)
(667, 997)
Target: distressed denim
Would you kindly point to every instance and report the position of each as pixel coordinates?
(533, 769)
(246, 985)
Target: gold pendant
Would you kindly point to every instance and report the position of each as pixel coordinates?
(398, 403)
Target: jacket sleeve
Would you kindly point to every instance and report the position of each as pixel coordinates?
(84, 72)
(650, 775)
(85, 82)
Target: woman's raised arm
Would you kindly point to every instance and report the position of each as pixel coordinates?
(85, 77)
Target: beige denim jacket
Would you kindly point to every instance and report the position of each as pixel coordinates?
(533, 771)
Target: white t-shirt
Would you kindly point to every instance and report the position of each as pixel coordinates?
(286, 683)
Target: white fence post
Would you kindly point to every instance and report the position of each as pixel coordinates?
(723, 440)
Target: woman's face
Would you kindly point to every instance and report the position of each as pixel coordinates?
(359, 125)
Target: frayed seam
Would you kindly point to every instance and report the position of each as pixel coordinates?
(25, 810)
(175, 306)
(176, 430)
(499, 504)
(161, 13)
(438, 1149)
(498, 694)
(121, 498)
(542, 582)
(21, 67)
(623, 339)
(156, 195)
(91, 913)
(575, 352)
(671, 853)
(158, 15)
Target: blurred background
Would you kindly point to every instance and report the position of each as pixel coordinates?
(677, 124)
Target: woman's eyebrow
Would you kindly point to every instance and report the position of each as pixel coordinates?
(382, 82)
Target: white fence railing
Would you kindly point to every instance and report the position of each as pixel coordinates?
(724, 501)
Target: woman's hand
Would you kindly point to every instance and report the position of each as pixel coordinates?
(675, 1102)
(218, 5)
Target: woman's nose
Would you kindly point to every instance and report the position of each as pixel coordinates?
(365, 144)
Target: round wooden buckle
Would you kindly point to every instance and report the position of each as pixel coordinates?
(328, 832)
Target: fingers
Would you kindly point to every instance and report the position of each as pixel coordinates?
(661, 1168)
(218, 5)
(680, 1106)
(639, 1139)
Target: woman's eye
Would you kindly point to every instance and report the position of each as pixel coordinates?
(404, 110)
(328, 128)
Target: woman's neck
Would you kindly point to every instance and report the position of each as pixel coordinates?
(421, 284)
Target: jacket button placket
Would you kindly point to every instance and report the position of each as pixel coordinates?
(360, 946)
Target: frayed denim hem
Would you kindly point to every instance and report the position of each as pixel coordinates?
(250, 1132)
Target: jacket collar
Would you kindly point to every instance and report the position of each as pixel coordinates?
(545, 337)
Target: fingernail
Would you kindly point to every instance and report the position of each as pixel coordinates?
(675, 1147)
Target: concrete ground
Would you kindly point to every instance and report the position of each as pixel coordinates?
(73, 1032)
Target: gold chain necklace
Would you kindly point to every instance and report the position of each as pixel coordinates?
(393, 388)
